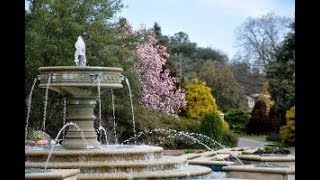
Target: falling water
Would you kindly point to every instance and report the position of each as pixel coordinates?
(211, 140)
(29, 100)
(64, 114)
(114, 118)
(203, 137)
(58, 135)
(215, 142)
(101, 129)
(46, 103)
(99, 99)
(177, 134)
(133, 122)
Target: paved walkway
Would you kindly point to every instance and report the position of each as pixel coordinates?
(245, 142)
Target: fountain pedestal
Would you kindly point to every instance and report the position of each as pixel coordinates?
(81, 112)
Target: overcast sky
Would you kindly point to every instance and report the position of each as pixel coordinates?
(209, 23)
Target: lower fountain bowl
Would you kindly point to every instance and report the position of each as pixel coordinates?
(115, 162)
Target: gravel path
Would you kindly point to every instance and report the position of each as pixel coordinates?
(245, 142)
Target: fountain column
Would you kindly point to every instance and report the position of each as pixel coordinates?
(80, 112)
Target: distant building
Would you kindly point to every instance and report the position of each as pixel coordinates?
(252, 100)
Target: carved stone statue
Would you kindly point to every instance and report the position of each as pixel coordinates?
(80, 53)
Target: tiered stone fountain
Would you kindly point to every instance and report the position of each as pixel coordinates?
(79, 85)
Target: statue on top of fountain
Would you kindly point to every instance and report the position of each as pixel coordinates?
(80, 53)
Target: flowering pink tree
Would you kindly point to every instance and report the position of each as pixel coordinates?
(159, 88)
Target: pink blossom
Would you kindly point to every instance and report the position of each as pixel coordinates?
(159, 90)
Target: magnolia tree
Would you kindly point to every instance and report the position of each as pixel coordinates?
(160, 90)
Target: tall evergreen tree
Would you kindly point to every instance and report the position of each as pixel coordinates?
(281, 73)
(259, 123)
(274, 117)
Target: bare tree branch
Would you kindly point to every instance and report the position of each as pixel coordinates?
(258, 38)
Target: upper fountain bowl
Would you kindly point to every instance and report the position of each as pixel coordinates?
(80, 81)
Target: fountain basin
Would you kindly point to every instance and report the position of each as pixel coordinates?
(105, 153)
(52, 174)
(186, 172)
(214, 165)
(165, 163)
(261, 173)
(275, 159)
(77, 81)
(116, 162)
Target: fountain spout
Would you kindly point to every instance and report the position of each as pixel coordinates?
(95, 77)
(121, 77)
(80, 53)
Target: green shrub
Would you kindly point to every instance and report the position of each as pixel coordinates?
(237, 120)
(148, 119)
(272, 150)
(212, 126)
(229, 139)
(189, 125)
(188, 151)
(32, 135)
(37, 135)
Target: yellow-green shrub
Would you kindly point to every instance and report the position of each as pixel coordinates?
(265, 96)
(225, 126)
(229, 139)
(287, 132)
(199, 99)
(291, 113)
